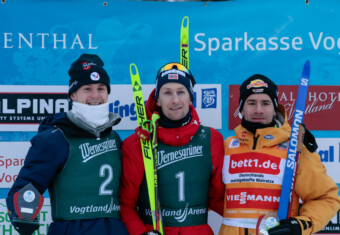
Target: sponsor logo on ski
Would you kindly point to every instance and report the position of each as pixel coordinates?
(294, 139)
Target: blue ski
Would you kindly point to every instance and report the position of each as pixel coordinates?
(291, 162)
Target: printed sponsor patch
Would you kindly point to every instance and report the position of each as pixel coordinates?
(258, 198)
(234, 143)
(173, 71)
(268, 137)
(254, 163)
(258, 90)
(173, 76)
(95, 76)
(283, 146)
(86, 65)
(257, 83)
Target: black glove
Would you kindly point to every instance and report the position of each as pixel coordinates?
(309, 140)
(287, 227)
(154, 232)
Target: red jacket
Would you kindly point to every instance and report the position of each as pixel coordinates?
(133, 173)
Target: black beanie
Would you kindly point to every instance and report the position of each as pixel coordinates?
(258, 84)
(87, 69)
(175, 72)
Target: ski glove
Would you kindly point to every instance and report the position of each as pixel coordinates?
(154, 232)
(287, 227)
(309, 140)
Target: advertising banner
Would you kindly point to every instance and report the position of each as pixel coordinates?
(22, 108)
(322, 107)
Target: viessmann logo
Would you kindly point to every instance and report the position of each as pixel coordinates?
(252, 198)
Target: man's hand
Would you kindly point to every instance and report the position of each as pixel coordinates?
(154, 232)
(287, 227)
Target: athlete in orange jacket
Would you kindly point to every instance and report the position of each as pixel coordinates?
(254, 164)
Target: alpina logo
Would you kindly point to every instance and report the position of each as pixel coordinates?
(257, 83)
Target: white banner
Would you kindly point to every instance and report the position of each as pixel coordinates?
(329, 151)
(23, 107)
(12, 156)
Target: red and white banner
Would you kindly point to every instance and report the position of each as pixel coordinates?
(322, 107)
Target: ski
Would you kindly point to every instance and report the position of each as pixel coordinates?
(292, 156)
(184, 42)
(272, 219)
(148, 150)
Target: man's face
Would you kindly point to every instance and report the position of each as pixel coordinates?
(174, 100)
(91, 94)
(258, 108)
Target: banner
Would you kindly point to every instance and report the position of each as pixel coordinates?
(22, 108)
(322, 107)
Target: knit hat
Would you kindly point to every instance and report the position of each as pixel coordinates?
(87, 69)
(175, 72)
(258, 84)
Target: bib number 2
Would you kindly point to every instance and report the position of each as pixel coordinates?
(107, 172)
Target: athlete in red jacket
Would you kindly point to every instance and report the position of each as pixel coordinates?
(190, 158)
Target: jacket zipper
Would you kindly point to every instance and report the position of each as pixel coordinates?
(255, 141)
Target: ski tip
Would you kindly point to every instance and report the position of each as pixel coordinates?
(307, 63)
(306, 69)
(133, 69)
(185, 22)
